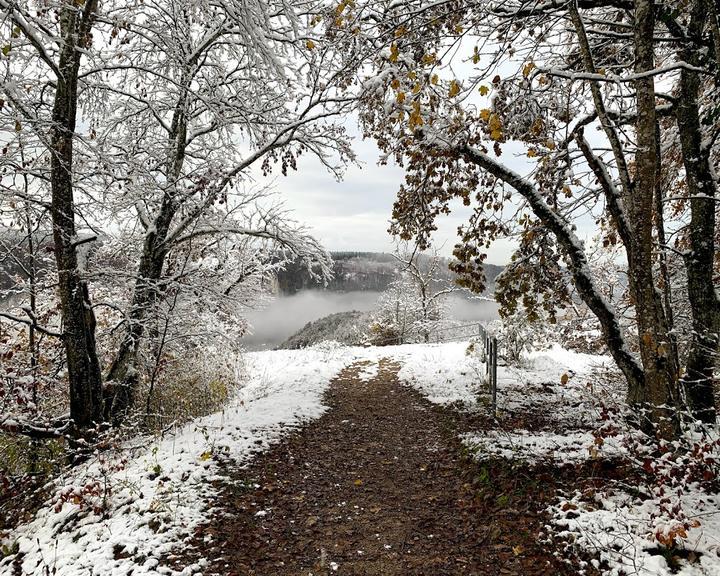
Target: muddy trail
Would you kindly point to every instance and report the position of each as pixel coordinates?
(380, 485)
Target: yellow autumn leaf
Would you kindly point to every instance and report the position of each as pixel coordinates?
(494, 122)
(416, 88)
(395, 84)
(496, 134)
(205, 455)
(415, 120)
(394, 52)
(517, 550)
(434, 79)
(400, 31)
(475, 56)
(564, 379)
(310, 44)
(484, 90)
(485, 114)
(532, 153)
(454, 89)
(401, 97)
(538, 126)
(358, 482)
(528, 68)
(429, 59)
(412, 75)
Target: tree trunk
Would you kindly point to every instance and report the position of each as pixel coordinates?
(78, 319)
(660, 391)
(699, 261)
(122, 378)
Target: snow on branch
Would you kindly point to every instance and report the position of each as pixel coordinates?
(575, 253)
(19, 426)
(31, 321)
(615, 78)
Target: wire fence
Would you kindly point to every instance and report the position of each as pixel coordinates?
(490, 351)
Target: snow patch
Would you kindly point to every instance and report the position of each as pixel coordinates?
(123, 512)
(544, 447)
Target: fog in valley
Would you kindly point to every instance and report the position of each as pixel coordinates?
(285, 315)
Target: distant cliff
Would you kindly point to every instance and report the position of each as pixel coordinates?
(359, 271)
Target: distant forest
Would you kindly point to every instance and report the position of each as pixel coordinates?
(359, 271)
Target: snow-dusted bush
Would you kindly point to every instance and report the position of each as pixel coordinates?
(517, 335)
(661, 517)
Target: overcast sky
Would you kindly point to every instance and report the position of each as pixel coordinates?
(354, 214)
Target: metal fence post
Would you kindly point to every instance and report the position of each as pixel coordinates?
(493, 377)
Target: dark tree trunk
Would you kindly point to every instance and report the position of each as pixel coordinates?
(78, 319)
(122, 377)
(660, 391)
(700, 260)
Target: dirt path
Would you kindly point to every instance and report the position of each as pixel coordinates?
(377, 486)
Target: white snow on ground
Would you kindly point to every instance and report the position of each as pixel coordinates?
(544, 447)
(444, 373)
(537, 386)
(619, 529)
(566, 392)
(156, 497)
(163, 491)
(369, 371)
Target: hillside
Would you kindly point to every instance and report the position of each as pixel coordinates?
(344, 327)
(335, 440)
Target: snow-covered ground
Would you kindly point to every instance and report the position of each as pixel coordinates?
(121, 513)
(124, 511)
(575, 401)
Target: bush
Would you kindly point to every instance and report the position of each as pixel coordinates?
(518, 335)
(188, 389)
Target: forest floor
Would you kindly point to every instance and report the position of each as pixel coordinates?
(379, 485)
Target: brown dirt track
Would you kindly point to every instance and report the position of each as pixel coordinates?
(380, 485)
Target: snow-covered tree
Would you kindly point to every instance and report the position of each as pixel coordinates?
(415, 303)
(144, 123)
(200, 95)
(47, 45)
(600, 98)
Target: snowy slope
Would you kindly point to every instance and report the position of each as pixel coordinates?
(156, 495)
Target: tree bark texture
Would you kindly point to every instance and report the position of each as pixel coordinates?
(83, 366)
